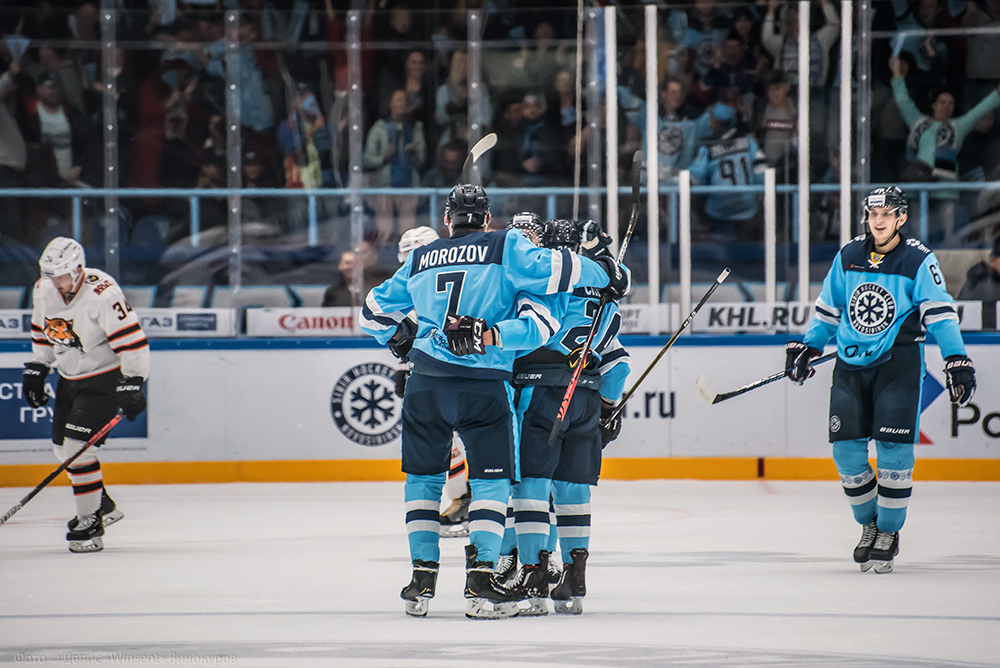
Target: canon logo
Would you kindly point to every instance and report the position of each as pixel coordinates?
(293, 322)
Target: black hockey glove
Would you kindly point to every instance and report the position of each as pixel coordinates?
(465, 335)
(593, 239)
(401, 376)
(960, 378)
(610, 427)
(618, 287)
(130, 398)
(34, 384)
(402, 340)
(798, 361)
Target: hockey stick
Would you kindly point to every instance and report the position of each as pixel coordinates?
(575, 378)
(482, 146)
(711, 397)
(62, 467)
(687, 321)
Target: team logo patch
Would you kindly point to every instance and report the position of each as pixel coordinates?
(670, 138)
(834, 423)
(364, 405)
(875, 259)
(871, 309)
(60, 332)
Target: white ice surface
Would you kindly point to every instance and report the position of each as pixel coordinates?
(682, 573)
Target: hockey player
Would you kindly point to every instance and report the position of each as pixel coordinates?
(455, 517)
(881, 291)
(567, 470)
(471, 321)
(82, 325)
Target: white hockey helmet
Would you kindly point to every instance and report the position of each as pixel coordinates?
(415, 238)
(61, 257)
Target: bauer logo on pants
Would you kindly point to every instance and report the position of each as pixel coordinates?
(364, 404)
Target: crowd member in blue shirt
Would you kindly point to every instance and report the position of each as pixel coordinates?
(883, 290)
(473, 298)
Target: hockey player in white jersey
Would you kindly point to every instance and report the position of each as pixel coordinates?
(82, 325)
(455, 516)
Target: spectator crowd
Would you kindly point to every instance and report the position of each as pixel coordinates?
(727, 87)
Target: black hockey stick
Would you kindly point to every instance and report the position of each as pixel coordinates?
(713, 398)
(62, 467)
(476, 152)
(687, 321)
(585, 350)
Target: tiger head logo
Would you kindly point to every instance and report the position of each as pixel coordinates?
(60, 332)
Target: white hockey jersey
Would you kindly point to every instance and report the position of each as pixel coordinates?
(95, 332)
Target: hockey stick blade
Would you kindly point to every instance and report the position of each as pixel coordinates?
(477, 151)
(713, 398)
(65, 465)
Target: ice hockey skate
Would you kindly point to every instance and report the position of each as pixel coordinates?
(487, 599)
(532, 587)
(864, 546)
(506, 569)
(884, 551)
(421, 588)
(109, 513)
(555, 573)
(567, 596)
(86, 535)
(455, 518)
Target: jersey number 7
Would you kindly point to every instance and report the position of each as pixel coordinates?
(456, 279)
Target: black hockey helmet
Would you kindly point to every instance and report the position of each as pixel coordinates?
(527, 221)
(891, 197)
(561, 233)
(467, 205)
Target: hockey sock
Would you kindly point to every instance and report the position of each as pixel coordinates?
(857, 478)
(509, 535)
(531, 518)
(87, 481)
(423, 507)
(487, 515)
(895, 483)
(572, 505)
(553, 543)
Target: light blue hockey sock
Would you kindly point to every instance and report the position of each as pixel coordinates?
(857, 477)
(487, 514)
(572, 504)
(531, 518)
(553, 543)
(423, 508)
(509, 535)
(895, 483)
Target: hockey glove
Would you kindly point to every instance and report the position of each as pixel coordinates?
(592, 238)
(34, 384)
(798, 361)
(960, 378)
(610, 427)
(401, 376)
(130, 398)
(618, 285)
(465, 335)
(402, 340)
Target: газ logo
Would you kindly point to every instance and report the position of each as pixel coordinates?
(364, 405)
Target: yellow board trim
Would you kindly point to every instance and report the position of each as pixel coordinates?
(376, 470)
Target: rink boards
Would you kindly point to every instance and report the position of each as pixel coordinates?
(300, 409)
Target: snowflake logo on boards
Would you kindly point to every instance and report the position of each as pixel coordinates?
(871, 309)
(364, 404)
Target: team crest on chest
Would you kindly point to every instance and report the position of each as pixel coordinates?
(60, 332)
(875, 259)
(871, 309)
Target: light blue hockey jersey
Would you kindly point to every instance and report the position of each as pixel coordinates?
(734, 160)
(488, 275)
(871, 301)
(677, 139)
